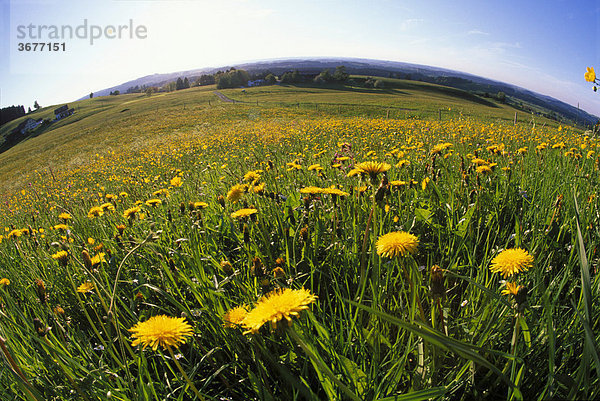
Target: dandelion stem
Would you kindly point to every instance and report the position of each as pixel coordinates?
(324, 368)
(185, 376)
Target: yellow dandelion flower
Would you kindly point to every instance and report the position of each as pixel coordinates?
(123, 195)
(311, 190)
(130, 213)
(85, 287)
(479, 162)
(398, 183)
(61, 227)
(373, 168)
(65, 216)
(511, 288)
(235, 316)
(251, 176)
(108, 206)
(4, 282)
(176, 181)
(15, 233)
(160, 192)
(315, 167)
(259, 189)
(153, 202)
(161, 330)
(335, 191)
(353, 172)
(95, 211)
(402, 163)
(398, 243)
(62, 257)
(484, 169)
(243, 213)
(99, 258)
(590, 74)
(342, 158)
(235, 192)
(424, 183)
(440, 148)
(511, 261)
(199, 205)
(275, 306)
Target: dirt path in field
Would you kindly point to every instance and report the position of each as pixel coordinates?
(224, 98)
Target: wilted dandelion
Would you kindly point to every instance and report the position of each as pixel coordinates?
(275, 306)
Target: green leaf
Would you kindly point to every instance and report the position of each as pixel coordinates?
(420, 395)
(465, 350)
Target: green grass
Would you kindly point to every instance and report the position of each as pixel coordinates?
(380, 329)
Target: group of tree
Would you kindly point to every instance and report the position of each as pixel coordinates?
(115, 93)
(371, 82)
(340, 75)
(182, 84)
(10, 113)
(231, 78)
(290, 77)
(205, 79)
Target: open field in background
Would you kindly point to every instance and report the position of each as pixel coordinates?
(100, 125)
(121, 215)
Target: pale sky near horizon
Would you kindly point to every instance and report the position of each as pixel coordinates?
(544, 46)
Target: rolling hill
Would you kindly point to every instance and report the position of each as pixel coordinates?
(522, 98)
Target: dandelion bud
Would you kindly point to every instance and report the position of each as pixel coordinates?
(280, 262)
(306, 200)
(304, 234)
(278, 272)
(521, 298)
(438, 289)
(139, 296)
(87, 260)
(246, 234)
(257, 268)
(58, 310)
(121, 228)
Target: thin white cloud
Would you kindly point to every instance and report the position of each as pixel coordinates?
(410, 23)
(477, 32)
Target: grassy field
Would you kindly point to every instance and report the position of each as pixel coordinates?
(166, 248)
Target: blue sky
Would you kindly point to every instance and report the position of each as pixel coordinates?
(544, 46)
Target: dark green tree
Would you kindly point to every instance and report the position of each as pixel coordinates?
(340, 74)
(270, 79)
(36, 105)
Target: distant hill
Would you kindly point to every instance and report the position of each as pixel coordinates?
(520, 98)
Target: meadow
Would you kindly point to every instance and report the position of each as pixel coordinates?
(276, 252)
